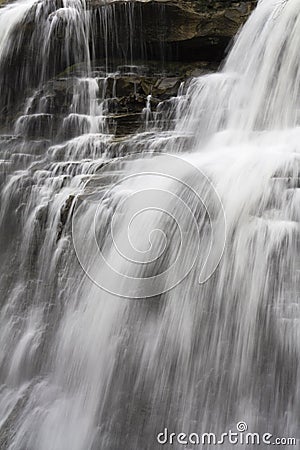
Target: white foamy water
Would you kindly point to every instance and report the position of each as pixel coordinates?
(83, 368)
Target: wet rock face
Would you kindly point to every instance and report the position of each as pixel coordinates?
(124, 95)
(164, 31)
(182, 30)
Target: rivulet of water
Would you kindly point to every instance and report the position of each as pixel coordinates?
(159, 290)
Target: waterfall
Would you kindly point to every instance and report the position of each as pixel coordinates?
(152, 281)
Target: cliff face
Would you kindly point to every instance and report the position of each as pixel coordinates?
(167, 41)
(174, 30)
(184, 30)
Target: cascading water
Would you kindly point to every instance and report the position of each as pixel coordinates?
(87, 368)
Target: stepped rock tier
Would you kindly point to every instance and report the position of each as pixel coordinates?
(162, 43)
